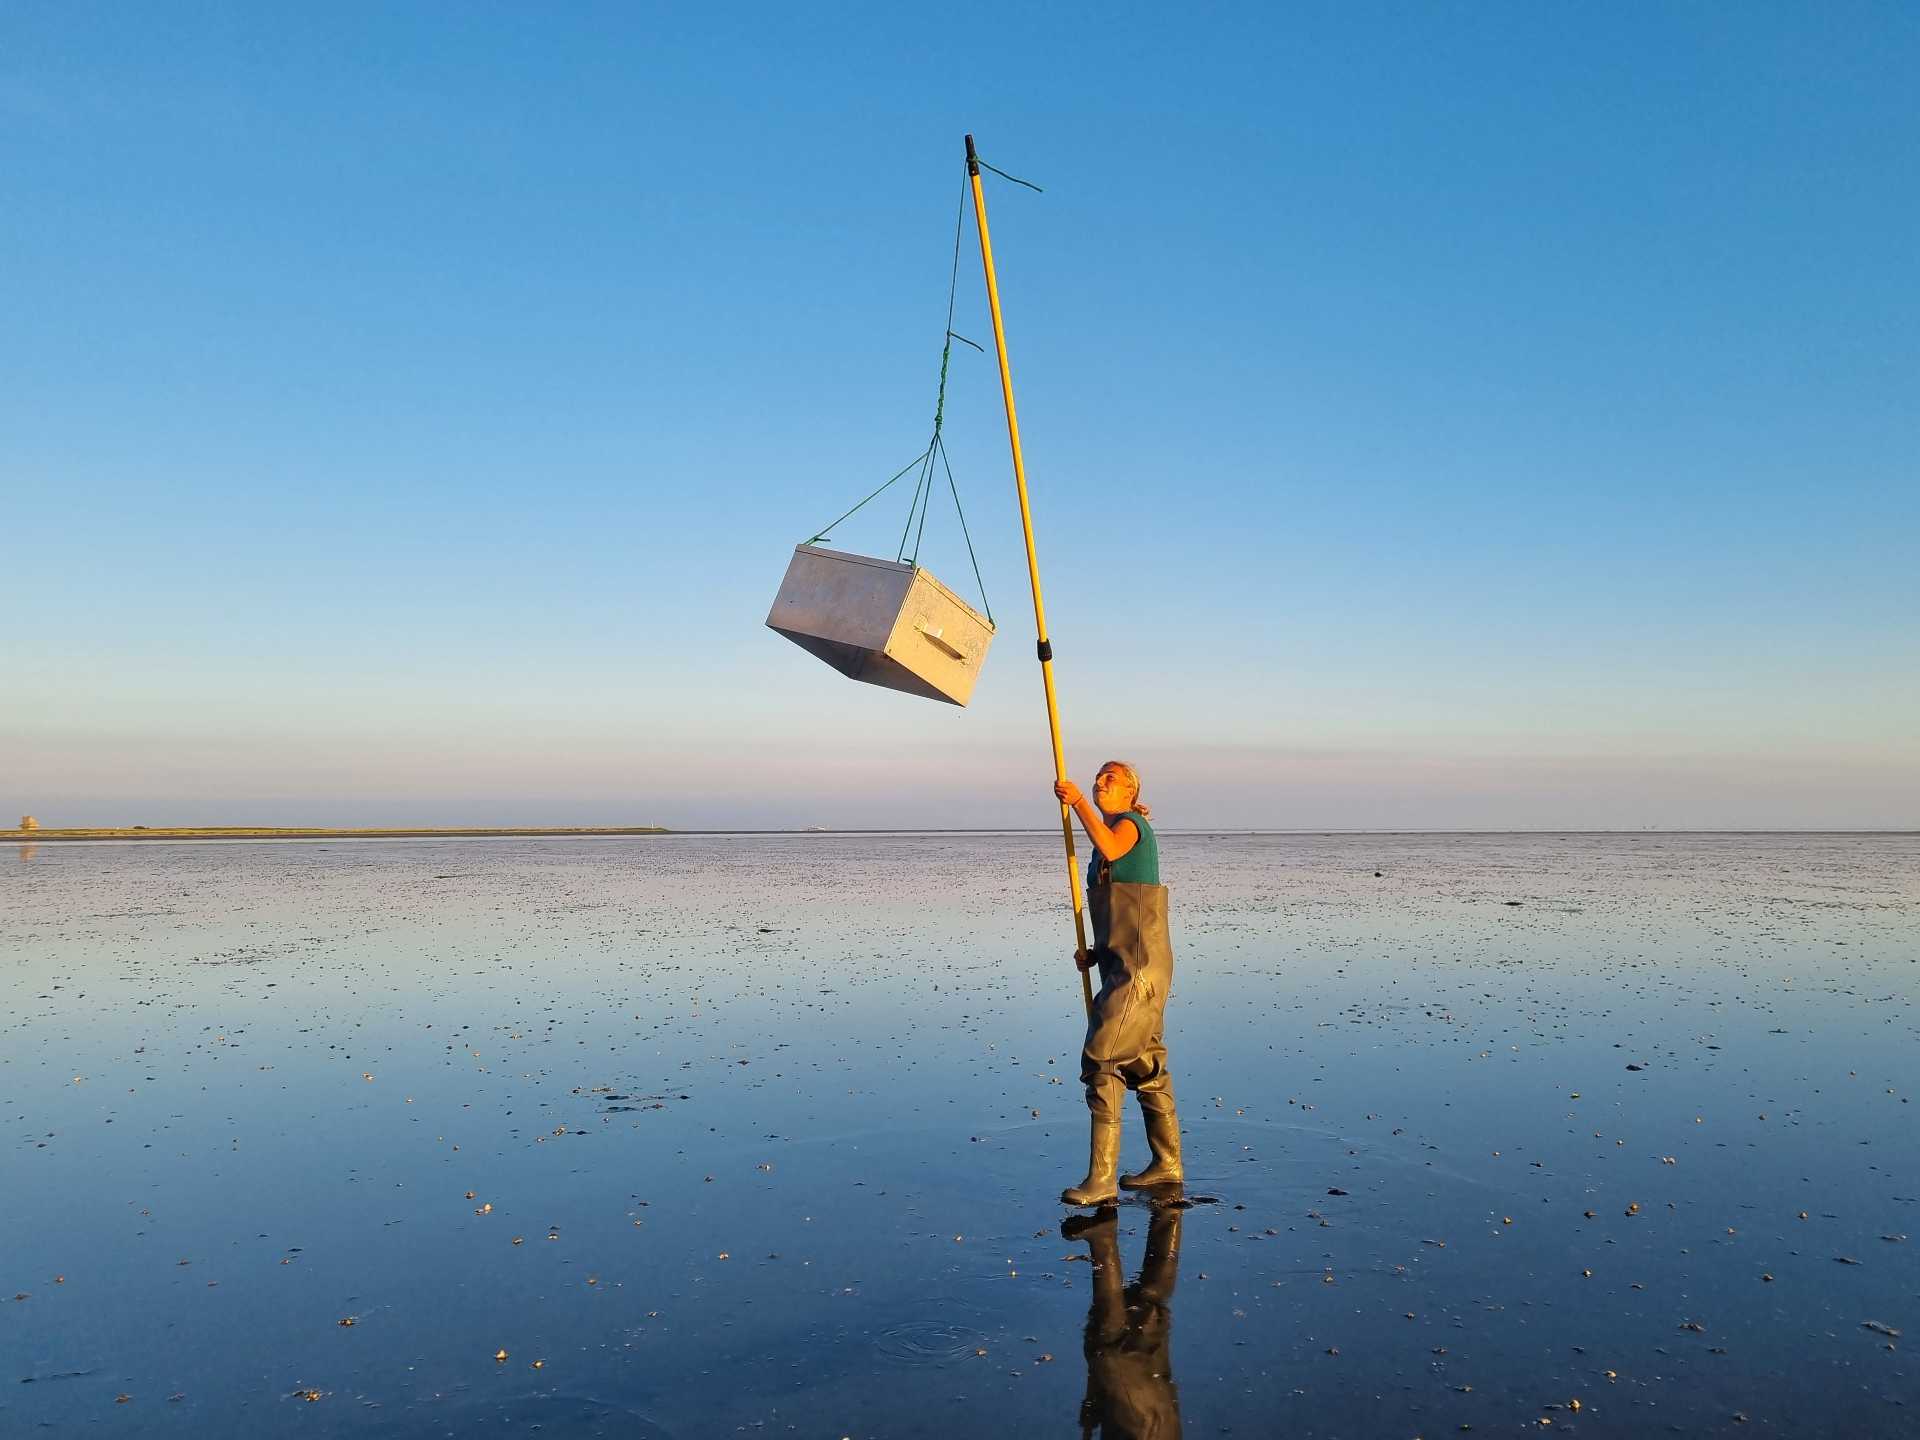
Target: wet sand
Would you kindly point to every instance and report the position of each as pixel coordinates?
(1513, 1123)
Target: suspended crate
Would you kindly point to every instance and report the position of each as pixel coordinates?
(882, 621)
(889, 622)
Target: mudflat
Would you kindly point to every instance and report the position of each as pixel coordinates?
(691, 1135)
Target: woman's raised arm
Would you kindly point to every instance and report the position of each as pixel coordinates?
(1111, 841)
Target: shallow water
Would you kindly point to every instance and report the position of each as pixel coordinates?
(1514, 1122)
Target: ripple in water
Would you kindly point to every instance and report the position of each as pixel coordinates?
(927, 1342)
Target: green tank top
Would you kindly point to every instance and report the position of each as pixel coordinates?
(1139, 866)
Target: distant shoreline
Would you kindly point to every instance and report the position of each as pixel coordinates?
(284, 832)
(590, 832)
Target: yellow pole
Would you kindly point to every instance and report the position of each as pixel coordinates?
(1033, 562)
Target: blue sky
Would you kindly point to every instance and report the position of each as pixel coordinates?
(1437, 415)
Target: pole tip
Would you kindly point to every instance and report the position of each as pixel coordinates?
(973, 160)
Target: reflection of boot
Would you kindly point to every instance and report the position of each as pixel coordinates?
(1160, 1270)
(1107, 1319)
(1163, 1134)
(1105, 1096)
(1074, 1227)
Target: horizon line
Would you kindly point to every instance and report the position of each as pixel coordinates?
(196, 834)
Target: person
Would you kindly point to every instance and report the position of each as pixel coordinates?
(1125, 1049)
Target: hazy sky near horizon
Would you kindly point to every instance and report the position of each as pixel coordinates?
(1437, 415)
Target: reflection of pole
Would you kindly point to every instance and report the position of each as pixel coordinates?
(1033, 562)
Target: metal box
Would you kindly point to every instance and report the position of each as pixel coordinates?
(882, 622)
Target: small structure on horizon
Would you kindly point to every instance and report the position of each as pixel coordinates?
(27, 822)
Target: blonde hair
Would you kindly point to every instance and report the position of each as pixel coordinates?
(1132, 777)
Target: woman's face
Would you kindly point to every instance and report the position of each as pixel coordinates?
(1111, 792)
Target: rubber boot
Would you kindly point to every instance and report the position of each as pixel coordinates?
(1106, 1100)
(1098, 1188)
(1163, 1135)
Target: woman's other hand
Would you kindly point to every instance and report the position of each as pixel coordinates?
(1068, 793)
(1083, 960)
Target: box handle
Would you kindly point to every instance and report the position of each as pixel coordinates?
(935, 636)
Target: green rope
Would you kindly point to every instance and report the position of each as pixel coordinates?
(827, 533)
(946, 350)
(1005, 176)
(923, 495)
(922, 492)
(923, 487)
(984, 605)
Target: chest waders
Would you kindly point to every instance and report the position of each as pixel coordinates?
(1125, 1047)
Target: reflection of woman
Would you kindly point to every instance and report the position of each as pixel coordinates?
(1130, 1389)
(1124, 1049)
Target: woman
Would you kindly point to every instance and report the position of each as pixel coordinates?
(1124, 1049)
